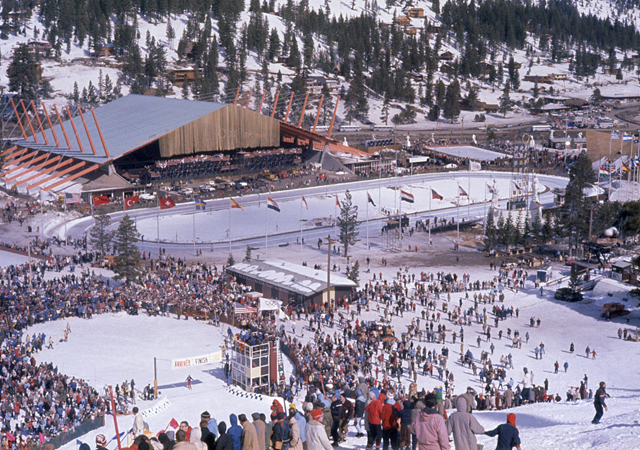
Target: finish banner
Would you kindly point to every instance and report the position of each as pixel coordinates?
(193, 361)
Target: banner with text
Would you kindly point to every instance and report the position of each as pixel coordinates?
(193, 361)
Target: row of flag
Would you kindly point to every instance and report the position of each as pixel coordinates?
(625, 137)
(201, 205)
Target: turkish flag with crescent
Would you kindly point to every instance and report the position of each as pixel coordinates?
(130, 201)
(100, 200)
(166, 203)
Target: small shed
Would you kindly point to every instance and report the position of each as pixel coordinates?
(621, 271)
(544, 273)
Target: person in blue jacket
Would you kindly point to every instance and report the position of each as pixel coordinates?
(508, 435)
(235, 431)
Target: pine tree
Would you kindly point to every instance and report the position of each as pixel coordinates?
(230, 260)
(348, 223)
(451, 108)
(99, 235)
(128, 254)
(354, 272)
(247, 255)
(23, 73)
(490, 231)
(505, 100)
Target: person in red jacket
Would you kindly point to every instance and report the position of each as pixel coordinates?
(373, 410)
(390, 422)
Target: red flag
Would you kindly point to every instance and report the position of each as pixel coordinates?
(435, 195)
(174, 423)
(305, 202)
(338, 202)
(130, 201)
(166, 203)
(100, 200)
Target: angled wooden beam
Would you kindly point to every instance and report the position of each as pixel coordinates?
(275, 104)
(46, 163)
(304, 106)
(333, 118)
(23, 165)
(318, 114)
(22, 158)
(33, 133)
(66, 138)
(249, 99)
(75, 131)
(16, 154)
(72, 177)
(262, 101)
(15, 110)
(35, 111)
(104, 145)
(86, 130)
(59, 174)
(9, 150)
(46, 171)
(235, 101)
(286, 116)
(53, 131)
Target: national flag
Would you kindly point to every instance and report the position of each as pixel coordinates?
(174, 423)
(406, 197)
(516, 185)
(338, 202)
(271, 204)
(201, 205)
(130, 201)
(436, 196)
(166, 203)
(604, 172)
(70, 199)
(370, 200)
(614, 136)
(235, 204)
(305, 202)
(99, 200)
(244, 309)
(625, 168)
(462, 192)
(627, 138)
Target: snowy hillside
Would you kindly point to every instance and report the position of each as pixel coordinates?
(102, 351)
(76, 65)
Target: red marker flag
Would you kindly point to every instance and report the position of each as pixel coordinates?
(130, 201)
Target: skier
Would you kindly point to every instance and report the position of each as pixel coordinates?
(189, 380)
(598, 402)
(571, 348)
(587, 351)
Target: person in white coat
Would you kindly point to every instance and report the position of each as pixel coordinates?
(138, 423)
(464, 426)
(317, 438)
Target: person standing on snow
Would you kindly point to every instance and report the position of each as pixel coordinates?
(598, 402)
(464, 426)
(508, 435)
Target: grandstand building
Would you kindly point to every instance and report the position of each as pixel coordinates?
(101, 150)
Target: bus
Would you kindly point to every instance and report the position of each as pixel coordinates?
(382, 128)
(349, 127)
(545, 127)
(320, 128)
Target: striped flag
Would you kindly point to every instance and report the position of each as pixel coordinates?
(462, 192)
(370, 200)
(625, 168)
(614, 136)
(244, 309)
(338, 202)
(235, 204)
(436, 196)
(271, 204)
(305, 202)
(406, 197)
(603, 172)
(72, 198)
(627, 138)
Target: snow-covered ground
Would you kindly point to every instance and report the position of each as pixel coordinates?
(112, 348)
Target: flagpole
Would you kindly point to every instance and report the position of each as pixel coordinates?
(484, 219)
(458, 220)
(266, 234)
(335, 217)
(301, 225)
(469, 194)
(158, 225)
(123, 202)
(194, 228)
(430, 197)
(229, 234)
(609, 164)
(65, 216)
(367, 220)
